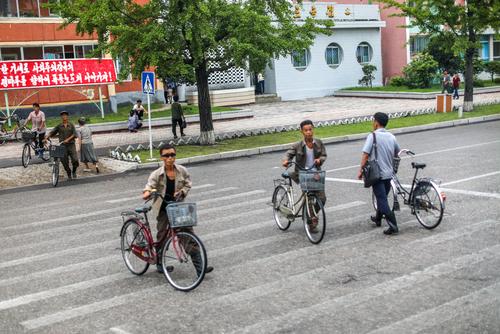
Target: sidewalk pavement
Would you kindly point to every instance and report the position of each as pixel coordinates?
(271, 114)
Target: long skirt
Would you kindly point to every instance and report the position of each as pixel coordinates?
(87, 153)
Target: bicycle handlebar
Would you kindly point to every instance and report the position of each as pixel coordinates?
(404, 150)
(291, 163)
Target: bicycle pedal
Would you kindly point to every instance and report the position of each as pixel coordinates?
(397, 207)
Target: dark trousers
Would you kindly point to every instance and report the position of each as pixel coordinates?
(176, 122)
(41, 137)
(70, 154)
(455, 93)
(381, 189)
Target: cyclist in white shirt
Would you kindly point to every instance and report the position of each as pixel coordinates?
(37, 119)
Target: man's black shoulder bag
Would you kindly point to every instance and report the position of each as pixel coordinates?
(371, 170)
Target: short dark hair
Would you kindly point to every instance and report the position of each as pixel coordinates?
(381, 118)
(36, 105)
(81, 121)
(176, 98)
(306, 122)
(167, 147)
(139, 101)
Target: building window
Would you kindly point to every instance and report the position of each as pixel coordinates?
(118, 68)
(496, 49)
(484, 50)
(418, 44)
(53, 52)
(35, 52)
(333, 55)
(364, 53)
(11, 53)
(301, 59)
(24, 8)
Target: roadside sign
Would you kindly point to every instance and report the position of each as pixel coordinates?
(148, 83)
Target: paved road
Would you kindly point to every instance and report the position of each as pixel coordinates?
(266, 115)
(61, 271)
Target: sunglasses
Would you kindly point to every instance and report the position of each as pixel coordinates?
(168, 155)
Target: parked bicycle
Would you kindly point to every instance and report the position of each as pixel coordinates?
(424, 197)
(309, 206)
(31, 144)
(56, 153)
(183, 256)
(15, 133)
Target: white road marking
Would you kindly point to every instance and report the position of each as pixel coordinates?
(229, 197)
(424, 154)
(59, 270)
(453, 309)
(334, 179)
(471, 178)
(295, 317)
(127, 199)
(471, 193)
(117, 330)
(34, 297)
(231, 207)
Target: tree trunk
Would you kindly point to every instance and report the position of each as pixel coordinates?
(469, 68)
(207, 135)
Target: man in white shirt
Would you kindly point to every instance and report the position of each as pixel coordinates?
(37, 119)
(139, 109)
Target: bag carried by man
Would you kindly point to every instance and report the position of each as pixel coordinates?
(371, 170)
(184, 123)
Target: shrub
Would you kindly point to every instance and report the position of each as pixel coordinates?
(478, 83)
(368, 76)
(493, 68)
(421, 71)
(397, 81)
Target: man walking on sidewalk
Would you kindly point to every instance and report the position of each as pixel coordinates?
(66, 133)
(386, 148)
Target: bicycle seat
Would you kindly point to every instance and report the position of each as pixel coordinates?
(417, 165)
(143, 209)
(285, 175)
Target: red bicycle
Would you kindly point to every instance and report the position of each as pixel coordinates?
(183, 256)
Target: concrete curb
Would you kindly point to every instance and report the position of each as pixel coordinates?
(331, 140)
(405, 95)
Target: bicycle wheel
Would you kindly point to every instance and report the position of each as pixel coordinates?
(18, 135)
(282, 208)
(55, 173)
(46, 152)
(133, 242)
(26, 157)
(314, 218)
(390, 199)
(2, 139)
(184, 261)
(428, 204)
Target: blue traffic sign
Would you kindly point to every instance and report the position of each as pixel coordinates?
(148, 82)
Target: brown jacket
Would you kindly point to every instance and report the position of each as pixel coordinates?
(298, 151)
(157, 181)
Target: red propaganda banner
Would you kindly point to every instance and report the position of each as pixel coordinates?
(23, 74)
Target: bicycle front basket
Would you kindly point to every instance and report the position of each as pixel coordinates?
(57, 151)
(312, 181)
(181, 214)
(28, 136)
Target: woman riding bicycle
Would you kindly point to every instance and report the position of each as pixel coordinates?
(309, 153)
(173, 182)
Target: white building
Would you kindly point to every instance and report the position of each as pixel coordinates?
(332, 62)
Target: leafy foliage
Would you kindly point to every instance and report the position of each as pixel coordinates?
(493, 68)
(368, 77)
(421, 71)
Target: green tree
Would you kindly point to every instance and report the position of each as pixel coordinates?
(493, 68)
(421, 71)
(189, 40)
(442, 48)
(465, 21)
(368, 77)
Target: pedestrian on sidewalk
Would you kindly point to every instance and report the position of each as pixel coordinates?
(138, 108)
(445, 82)
(382, 146)
(37, 119)
(456, 86)
(66, 133)
(177, 117)
(133, 122)
(260, 82)
(87, 152)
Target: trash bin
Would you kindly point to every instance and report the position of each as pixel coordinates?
(443, 103)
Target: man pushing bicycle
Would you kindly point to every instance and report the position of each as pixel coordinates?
(173, 182)
(309, 153)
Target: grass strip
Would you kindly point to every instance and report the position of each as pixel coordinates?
(186, 151)
(436, 88)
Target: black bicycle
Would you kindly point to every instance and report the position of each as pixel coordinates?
(56, 153)
(425, 198)
(31, 144)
